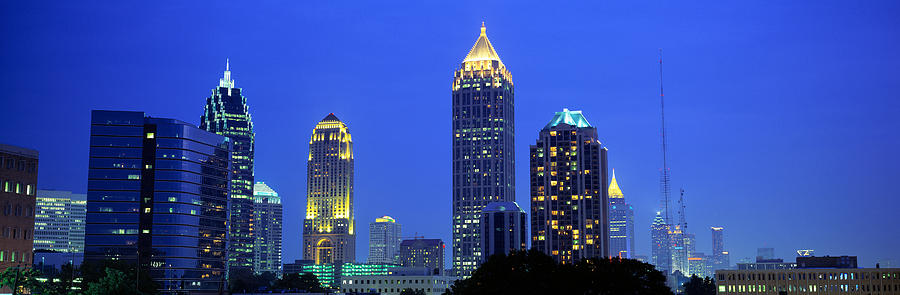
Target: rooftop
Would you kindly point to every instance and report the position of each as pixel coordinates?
(573, 118)
(482, 50)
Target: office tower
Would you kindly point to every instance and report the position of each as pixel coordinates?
(427, 253)
(384, 241)
(621, 222)
(678, 249)
(720, 256)
(267, 212)
(328, 230)
(569, 201)
(59, 221)
(18, 177)
(483, 147)
(503, 229)
(765, 253)
(660, 255)
(158, 197)
(226, 113)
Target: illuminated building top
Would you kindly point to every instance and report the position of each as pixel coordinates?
(385, 219)
(482, 50)
(573, 118)
(328, 230)
(614, 191)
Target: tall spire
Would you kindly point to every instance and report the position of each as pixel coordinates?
(226, 80)
(614, 191)
(482, 50)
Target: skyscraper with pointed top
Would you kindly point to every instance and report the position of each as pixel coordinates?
(483, 136)
(329, 230)
(226, 113)
(660, 247)
(621, 222)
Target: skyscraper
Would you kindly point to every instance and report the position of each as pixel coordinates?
(59, 221)
(483, 146)
(384, 241)
(157, 197)
(720, 257)
(621, 222)
(226, 113)
(660, 254)
(18, 176)
(503, 229)
(267, 211)
(569, 201)
(427, 253)
(328, 230)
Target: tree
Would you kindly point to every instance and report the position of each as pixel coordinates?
(20, 279)
(94, 271)
(533, 272)
(297, 282)
(244, 280)
(409, 291)
(698, 286)
(115, 282)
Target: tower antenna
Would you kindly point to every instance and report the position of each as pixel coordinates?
(683, 220)
(664, 177)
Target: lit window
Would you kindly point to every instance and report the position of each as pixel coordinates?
(150, 135)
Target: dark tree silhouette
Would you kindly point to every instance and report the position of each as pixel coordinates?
(297, 282)
(698, 286)
(533, 272)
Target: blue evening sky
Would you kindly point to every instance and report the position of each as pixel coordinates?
(783, 115)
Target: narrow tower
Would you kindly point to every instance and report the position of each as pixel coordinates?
(328, 230)
(621, 222)
(483, 147)
(226, 113)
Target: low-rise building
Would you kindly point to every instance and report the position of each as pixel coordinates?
(872, 281)
(394, 284)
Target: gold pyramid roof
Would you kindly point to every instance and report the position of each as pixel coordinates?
(614, 191)
(482, 50)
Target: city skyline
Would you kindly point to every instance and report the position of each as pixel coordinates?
(713, 119)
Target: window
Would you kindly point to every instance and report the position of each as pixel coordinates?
(7, 209)
(18, 210)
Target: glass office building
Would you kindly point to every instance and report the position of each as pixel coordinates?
(621, 222)
(158, 197)
(268, 211)
(59, 221)
(226, 113)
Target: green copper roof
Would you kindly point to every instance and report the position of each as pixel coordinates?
(574, 118)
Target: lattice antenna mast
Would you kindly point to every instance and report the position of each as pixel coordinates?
(664, 177)
(683, 220)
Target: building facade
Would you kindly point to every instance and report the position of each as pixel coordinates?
(621, 222)
(868, 281)
(395, 284)
(503, 229)
(483, 147)
(226, 113)
(157, 197)
(328, 230)
(59, 221)
(660, 254)
(267, 211)
(569, 201)
(18, 177)
(720, 257)
(384, 241)
(427, 253)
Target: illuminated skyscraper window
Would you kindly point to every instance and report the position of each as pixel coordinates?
(569, 198)
(226, 113)
(267, 229)
(483, 147)
(328, 229)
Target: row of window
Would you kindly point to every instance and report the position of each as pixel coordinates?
(20, 165)
(19, 210)
(18, 188)
(15, 256)
(15, 233)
